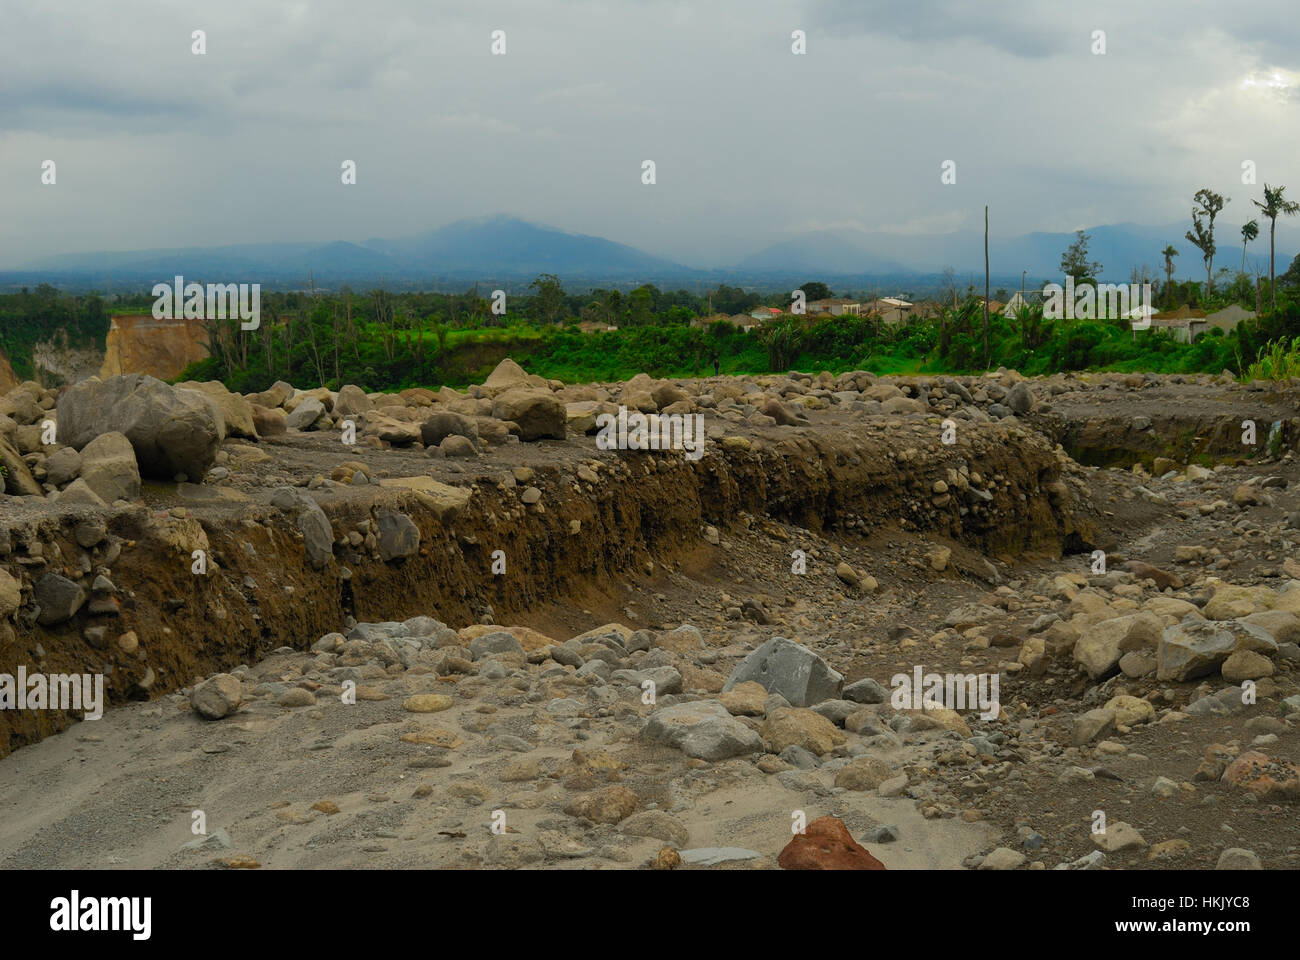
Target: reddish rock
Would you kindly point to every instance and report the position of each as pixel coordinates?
(1270, 780)
(827, 845)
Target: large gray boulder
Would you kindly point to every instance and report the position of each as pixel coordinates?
(497, 643)
(268, 421)
(539, 413)
(235, 410)
(506, 376)
(171, 430)
(1195, 648)
(351, 401)
(109, 468)
(782, 413)
(702, 729)
(790, 669)
(273, 398)
(390, 429)
(306, 415)
(1019, 399)
(64, 465)
(1099, 649)
(445, 424)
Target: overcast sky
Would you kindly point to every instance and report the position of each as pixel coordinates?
(158, 147)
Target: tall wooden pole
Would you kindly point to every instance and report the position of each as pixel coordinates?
(986, 286)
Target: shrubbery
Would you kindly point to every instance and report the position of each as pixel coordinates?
(384, 341)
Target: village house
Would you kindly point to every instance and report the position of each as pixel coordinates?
(1186, 324)
(1183, 324)
(835, 306)
(766, 313)
(890, 310)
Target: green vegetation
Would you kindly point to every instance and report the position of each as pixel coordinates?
(1278, 360)
(385, 341)
(1075, 262)
(1275, 205)
(380, 341)
(29, 317)
(1201, 236)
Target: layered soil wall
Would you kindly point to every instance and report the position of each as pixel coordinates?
(996, 490)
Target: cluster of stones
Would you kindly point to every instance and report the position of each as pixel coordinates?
(55, 576)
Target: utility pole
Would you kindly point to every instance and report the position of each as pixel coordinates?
(986, 286)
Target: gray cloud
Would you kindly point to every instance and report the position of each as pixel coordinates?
(1023, 28)
(156, 147)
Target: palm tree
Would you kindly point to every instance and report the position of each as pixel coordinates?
(1273, 205)
(783, 338)
(1169, 253)
(1249, 231)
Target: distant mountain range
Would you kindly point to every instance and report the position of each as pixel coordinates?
(505, 249)
(489, 249)
(1118, 248)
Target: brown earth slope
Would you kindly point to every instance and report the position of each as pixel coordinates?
(137, 343)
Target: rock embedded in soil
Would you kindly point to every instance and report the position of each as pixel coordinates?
(399, 537)
(1118, 836)
(712, 856)
(59, 599)
(427, 703)
(1236, 858)
(317, 535)
(611, 805)
(1003, 858)
(862, 774)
